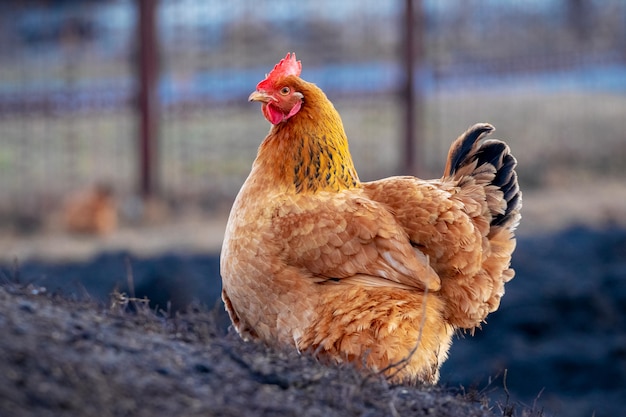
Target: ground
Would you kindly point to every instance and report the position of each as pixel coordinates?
(60, 357)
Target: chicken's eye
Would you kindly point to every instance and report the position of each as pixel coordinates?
(284, 91)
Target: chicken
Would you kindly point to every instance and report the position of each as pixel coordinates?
(380, 274)
(92, 211)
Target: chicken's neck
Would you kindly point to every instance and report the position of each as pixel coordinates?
(309, 152)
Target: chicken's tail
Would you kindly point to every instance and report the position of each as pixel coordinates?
(484, 172)
(492, 165)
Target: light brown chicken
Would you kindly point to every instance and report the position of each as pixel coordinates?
(91, 211)
(380, 274)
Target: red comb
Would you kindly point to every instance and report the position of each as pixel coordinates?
(286, 66)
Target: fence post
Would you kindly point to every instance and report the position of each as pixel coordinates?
(148, 98)
(412, 95)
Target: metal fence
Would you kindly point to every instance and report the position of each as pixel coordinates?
(551, 75)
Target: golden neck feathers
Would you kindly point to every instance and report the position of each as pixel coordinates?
(309, 151)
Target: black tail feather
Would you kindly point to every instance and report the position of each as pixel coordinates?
(491, 153)
(504, 174)
(462, 148)
(466, 151)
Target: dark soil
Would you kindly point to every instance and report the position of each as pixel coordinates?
(61, 357)
(557, 343)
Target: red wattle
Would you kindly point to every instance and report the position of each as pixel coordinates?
(274, 115)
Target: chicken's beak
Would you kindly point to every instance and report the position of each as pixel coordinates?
(260, 96)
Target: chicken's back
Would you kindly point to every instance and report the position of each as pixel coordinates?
(464, 222)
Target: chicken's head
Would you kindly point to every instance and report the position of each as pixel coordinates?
(277, 93)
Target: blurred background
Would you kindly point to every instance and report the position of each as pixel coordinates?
(124, 124)
(147, 99)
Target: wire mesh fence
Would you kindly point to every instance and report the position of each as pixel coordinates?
(550, 75)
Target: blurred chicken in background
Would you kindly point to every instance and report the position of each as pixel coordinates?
(91, 211)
